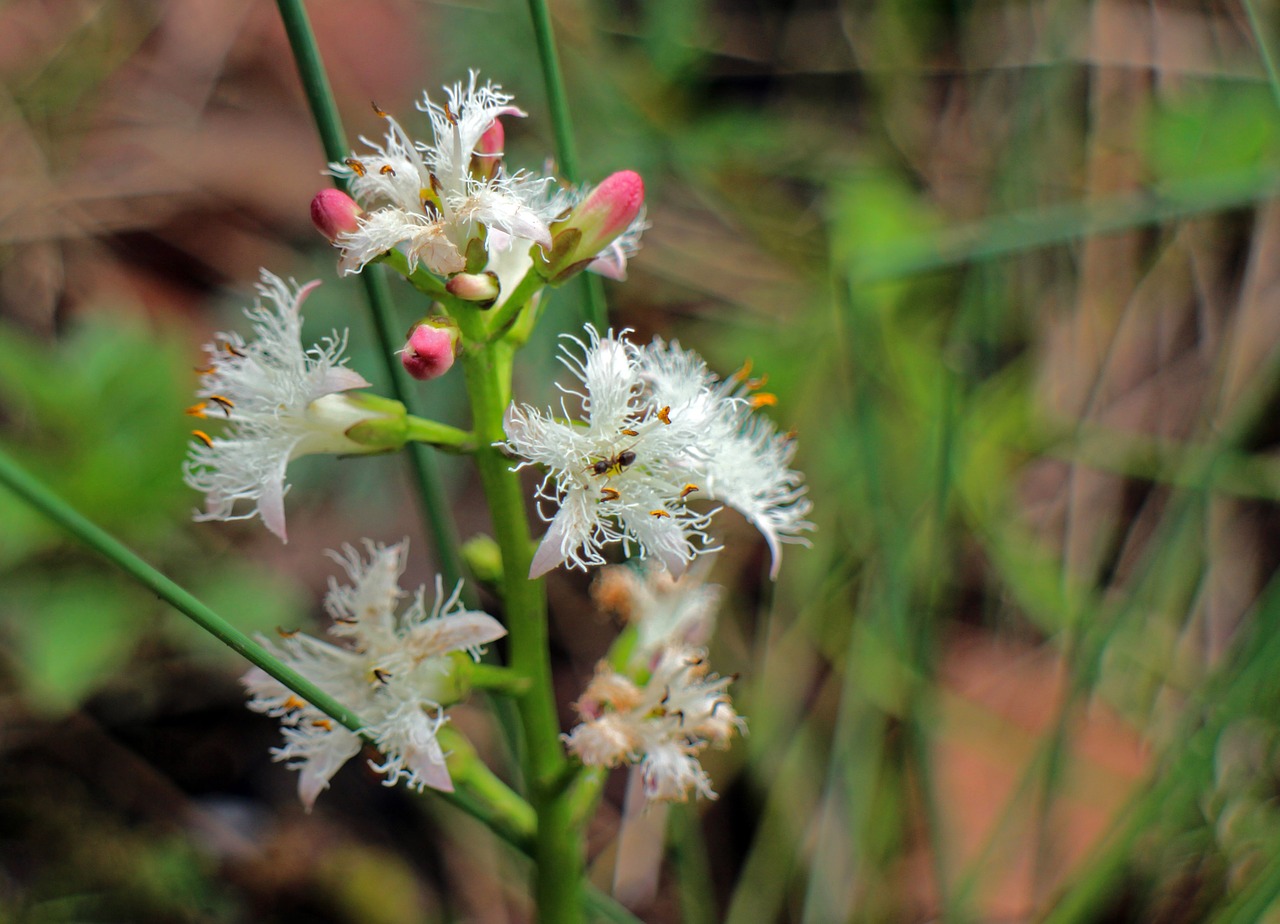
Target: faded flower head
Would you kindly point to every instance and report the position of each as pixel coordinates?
(392, 672)
(657, 430)
(280, 400)
(427, 198)
(661, 725)
(664, 610)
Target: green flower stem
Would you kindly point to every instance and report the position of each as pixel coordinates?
(584, 793)
(432, 502)
(441, 436)
(500, 320)
(487, 798)
(496, 679)
(597, 313)
(425, 282)
(558, 848)
(507, 811)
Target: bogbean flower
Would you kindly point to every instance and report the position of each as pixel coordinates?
(657, 430)
(437, 201)
(393, 672)
(280, 401)
(661, 725)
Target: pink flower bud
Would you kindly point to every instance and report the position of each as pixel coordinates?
(333, 212)
(432, 345)
(606, 212)
(592, 227)
(474, 287)
(487, 156)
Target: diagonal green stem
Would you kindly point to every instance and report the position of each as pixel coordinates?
(597, 313)
(426, 471)
(489, 800)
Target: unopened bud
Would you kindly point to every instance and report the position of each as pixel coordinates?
(487, 156)
(432, 346)
(474, 287)
(593, 224)
(333, 212)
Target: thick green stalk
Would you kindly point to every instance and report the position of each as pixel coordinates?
(597, 313)
(426, 470)
(558, 848)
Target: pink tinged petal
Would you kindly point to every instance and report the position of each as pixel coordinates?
(271, 501)
(611, 264)
(569, 530)
(340, 378)
(429, 764)
(550, 551)
(314, 774)
(458, 632)
(303, 292)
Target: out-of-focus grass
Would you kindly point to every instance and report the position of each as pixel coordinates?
(1011, 270)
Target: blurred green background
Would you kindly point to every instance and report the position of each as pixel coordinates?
(1012, 269)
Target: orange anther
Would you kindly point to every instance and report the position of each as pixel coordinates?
(630, 433)
(196, 410)
(223, 402)
(293, 702)
(377, 110)
(203, 370)
(203, 437)
(743, 372)
(688, 489)
(659, 514)
(610, 493)
(286, 633)
(386, 170)
(665, 414)
(326, 724)
(356, 166)
(226, 345)
(764, 399)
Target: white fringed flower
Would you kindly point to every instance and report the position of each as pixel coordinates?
(657, 430)
(281, 401)
(662, 726)
(428, 199)
(393, 675)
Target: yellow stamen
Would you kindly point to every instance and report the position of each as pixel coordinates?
(377, 110)
(356, 166)
(294, 702)
(688, 489)
(203, 437)
(326, 724)
(659, 514)
(742, 373)
(226, 345)
(665, 415)
(610, 493)
(630, 433)
(387, 171)
(764, 399)
(196, 410)
(223, 402)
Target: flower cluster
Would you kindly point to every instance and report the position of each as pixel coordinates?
(452, 207)
(281, 400)
(657, 430)
(667, 706)
(662, 724)
(393, 673)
